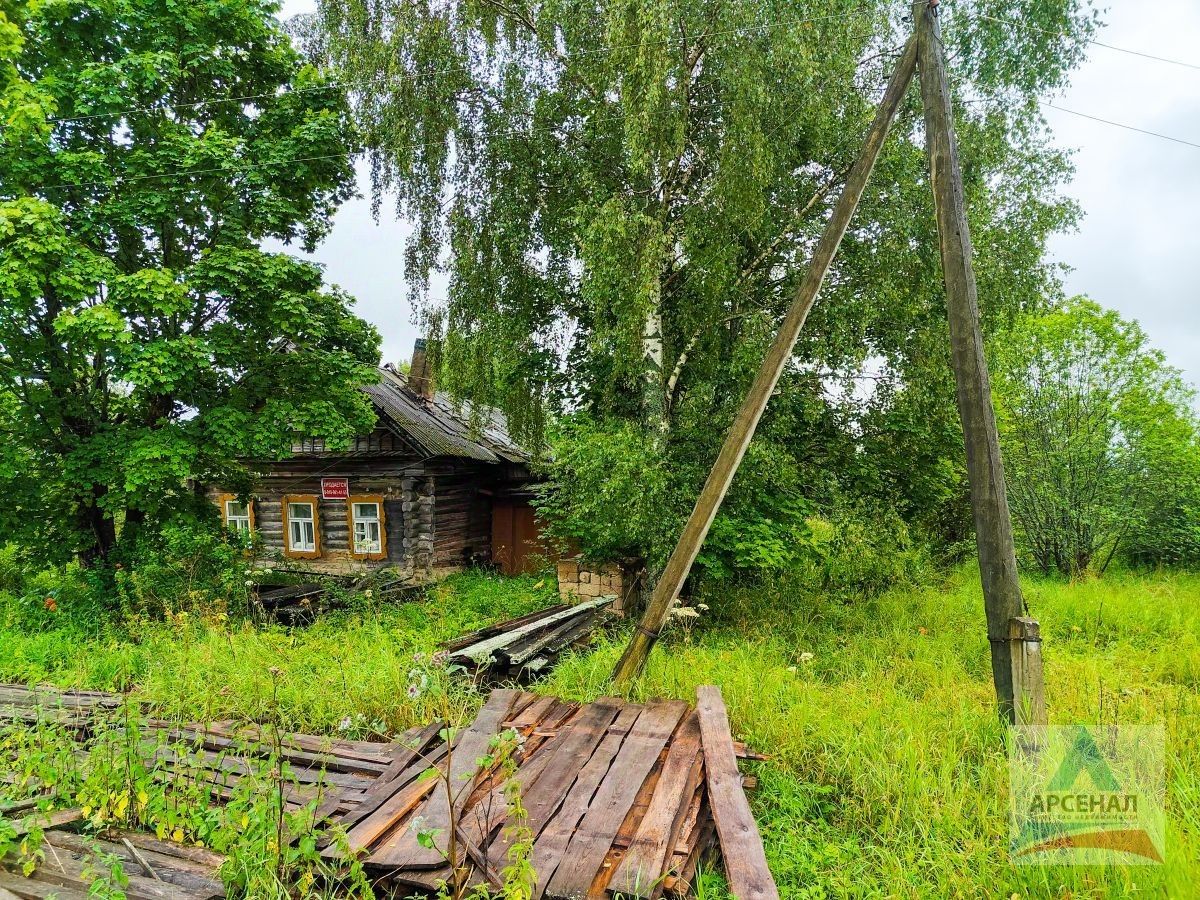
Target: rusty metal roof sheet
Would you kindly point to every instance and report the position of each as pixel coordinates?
(441, 427)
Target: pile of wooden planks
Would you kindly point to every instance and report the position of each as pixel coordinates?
(76, 866)
(299, 604)
(524, 647)
(621, 798)
(73, 709)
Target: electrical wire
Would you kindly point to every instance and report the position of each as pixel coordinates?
(1165, 137)
(1058, 34)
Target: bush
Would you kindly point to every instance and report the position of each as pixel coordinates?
(38, 599)
(191, 567)
(863, 551)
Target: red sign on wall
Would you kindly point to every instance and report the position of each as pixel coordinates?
(335, 488)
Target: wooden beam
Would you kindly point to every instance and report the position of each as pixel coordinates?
(743, 427)
(746, 867)
(1029, 693)
(985, 470)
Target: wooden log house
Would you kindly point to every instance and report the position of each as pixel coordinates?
(425, 491)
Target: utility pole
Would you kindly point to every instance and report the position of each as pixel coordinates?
(742, 430)
(985, 470)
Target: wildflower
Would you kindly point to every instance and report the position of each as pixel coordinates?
(418, 657)
(685, 612)
(440, 658)
(249, 582)
(806, 657)
(50, 604)
(791, 668)
(703, 607)
(922, 631)
(367, 593)
(414, 691)
(346, 724)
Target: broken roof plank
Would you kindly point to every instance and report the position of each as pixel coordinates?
(615, 795)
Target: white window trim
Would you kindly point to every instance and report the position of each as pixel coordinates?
(238, 523)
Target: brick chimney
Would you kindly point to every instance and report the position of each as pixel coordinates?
(420, 374)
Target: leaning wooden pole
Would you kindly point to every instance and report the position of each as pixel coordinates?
(985, 470)
(742, 430)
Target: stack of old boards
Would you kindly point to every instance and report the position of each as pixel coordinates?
(524, 647)
(621, 798)
(156, 870)
(299, 604)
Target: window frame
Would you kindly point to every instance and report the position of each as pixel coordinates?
(376, 499)
(314, 502)
(223, 501)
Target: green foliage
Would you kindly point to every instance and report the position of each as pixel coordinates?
(763, 528)
(129, 776)
(38, 599)
(348, 673)
(147, 339)
(1100, 439)
(194, 568)
(629, 190)
(604, 493)
(858, 552)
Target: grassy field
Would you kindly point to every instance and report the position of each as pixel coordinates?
(888, 776)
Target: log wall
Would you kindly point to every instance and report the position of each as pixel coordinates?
(437, 512)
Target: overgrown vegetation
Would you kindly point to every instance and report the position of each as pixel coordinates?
(1100, 439)
(887, 774)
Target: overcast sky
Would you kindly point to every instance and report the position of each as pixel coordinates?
(1137, 249)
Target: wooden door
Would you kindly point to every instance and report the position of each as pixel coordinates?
(516, 537)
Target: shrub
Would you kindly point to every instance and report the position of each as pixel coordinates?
(192, 567)
(38, 599)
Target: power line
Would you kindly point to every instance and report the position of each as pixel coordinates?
(1165, 137)
(1059, 34)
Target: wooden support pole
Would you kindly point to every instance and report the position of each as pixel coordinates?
(985, 470)
(742, 430)
(1029, 694)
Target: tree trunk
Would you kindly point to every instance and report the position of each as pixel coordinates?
(98, 525)
(737, 439)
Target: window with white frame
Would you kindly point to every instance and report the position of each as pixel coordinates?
(302, 528)
(368, 534)
(237, 516)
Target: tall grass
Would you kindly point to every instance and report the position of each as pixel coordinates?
(888, 775)
(347, 673)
